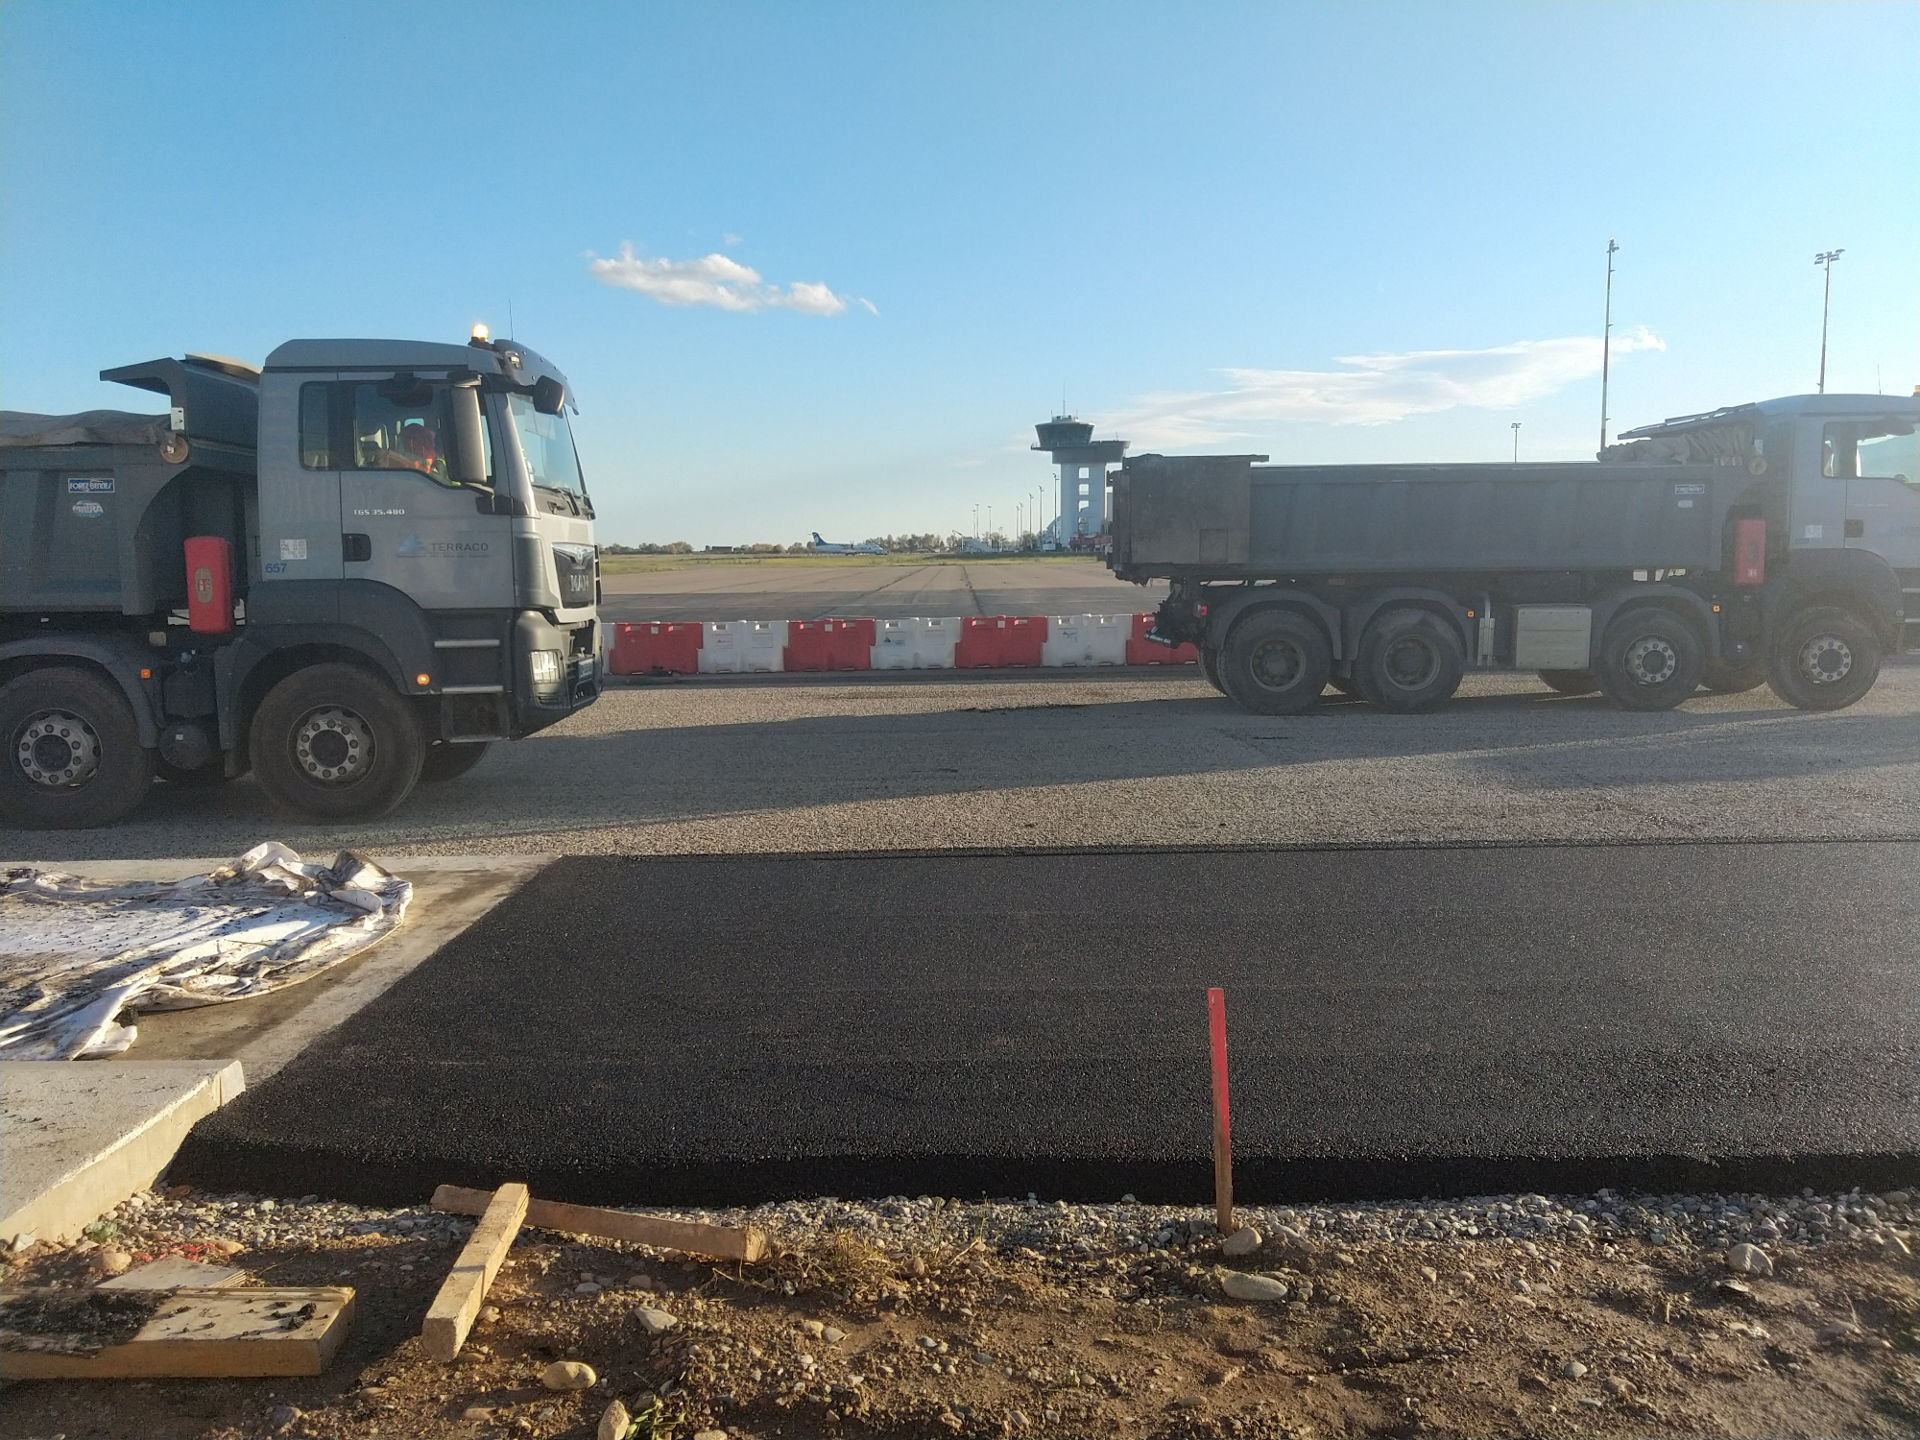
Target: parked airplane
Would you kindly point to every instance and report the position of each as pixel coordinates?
(827, 547)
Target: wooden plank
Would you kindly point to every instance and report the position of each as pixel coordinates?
(721, 1242)
(458, 1302)
(174, 1272)
(203, 1334)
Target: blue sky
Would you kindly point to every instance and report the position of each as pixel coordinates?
(821, 266)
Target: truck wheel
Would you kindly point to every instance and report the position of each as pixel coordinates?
(335, 742)
(73, 754)
(1568, 682)
(1650, 659)
(1725, 679)
(1824, 659)
(1276, 663)
(445, 761)
(1210, 667)
(1409, 660)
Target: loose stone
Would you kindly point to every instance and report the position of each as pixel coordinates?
(1241, 1242)
(1241, 1286)
(654, 1321)
(614, 1422)
(568, 1375)
(1745, 1259)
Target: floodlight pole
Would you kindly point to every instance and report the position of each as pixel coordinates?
(1826, 258)
(1516, 442)
(1606, 343)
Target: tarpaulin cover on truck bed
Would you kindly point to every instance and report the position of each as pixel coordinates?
(22, 429)
(75, 954)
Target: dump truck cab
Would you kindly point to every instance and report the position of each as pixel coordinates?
(346, 571)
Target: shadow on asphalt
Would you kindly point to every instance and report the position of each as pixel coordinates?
(682, 773)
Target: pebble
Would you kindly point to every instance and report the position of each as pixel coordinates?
(1618, 1388)
(1241, 1242)
(112, 1262)
(1573, 1370)
(614, 1421)
(477, 1413)
(833, 1334)
(1429, 1274)
(709, 1435)
(1239, 1285)
(568, 1375)
(813, 1328)
(489, 1314)
(282, 1416)
(654, 1321)
(1746, 1259)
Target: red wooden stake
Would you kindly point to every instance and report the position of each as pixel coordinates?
(1222, 1120)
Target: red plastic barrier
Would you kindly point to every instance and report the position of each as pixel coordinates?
(829, 645)
(1142, 651)
(997, 641)
(656, 647)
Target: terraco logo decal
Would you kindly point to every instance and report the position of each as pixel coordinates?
(413, 545)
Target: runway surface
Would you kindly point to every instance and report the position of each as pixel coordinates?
(1403, 1022)
(810, 590)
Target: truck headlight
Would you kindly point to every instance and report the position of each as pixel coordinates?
(546, 667)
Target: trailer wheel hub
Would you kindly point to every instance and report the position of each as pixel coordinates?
(1825, 659)
(58, 749)
(334, 746)
(1277, 663)
(1651, 660)
(1411, 662)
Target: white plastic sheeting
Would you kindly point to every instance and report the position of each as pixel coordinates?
(75, 954)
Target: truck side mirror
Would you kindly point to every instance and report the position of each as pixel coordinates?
(469, 457)
(548, 395)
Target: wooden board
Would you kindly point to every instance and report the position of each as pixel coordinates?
(172, 1272)
(204, 1334)
(458, 1302)
(722, 1242)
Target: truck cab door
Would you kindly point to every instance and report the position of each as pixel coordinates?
(296, 571)
(405, 521)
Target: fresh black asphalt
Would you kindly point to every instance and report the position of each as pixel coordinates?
(1402, 1022)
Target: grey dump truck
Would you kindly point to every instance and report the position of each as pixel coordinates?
(346, 572)
(1776, 542)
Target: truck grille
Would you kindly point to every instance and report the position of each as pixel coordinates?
(573, 570)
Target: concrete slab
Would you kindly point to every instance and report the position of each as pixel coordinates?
(81, 1136)
(450, 892)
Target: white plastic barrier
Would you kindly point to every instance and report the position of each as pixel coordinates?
(740, 647)
(922, 643)
(1086, 640)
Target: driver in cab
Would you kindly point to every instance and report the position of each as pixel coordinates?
(417, 449)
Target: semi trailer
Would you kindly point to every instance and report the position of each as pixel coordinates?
(1770, 543)
(346, 571)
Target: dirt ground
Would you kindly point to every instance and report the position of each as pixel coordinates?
(837, 1336)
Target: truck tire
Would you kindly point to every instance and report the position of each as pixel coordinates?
(1409, 660)
(1569, 682)
(336, 742)
(73, 754)
(1210, 667)
(1276, 663)
(448, 761)
(1824, 659)
(1725, 679)
(1650, 659)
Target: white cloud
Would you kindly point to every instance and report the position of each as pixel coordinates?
(713, 280)
(1375, 390)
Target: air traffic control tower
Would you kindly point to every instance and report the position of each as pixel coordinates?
(1083, 463)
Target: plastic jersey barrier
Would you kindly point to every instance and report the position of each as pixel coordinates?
(829, 644)
(921, 643)
(1086, 640)
(743, 647)
(656, 647)
(988, 641)
(1142, 651)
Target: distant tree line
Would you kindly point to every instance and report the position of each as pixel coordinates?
(926, 543)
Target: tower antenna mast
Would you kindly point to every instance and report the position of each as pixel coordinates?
(1606, 343)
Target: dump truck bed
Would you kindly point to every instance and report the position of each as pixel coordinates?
(1225, 517)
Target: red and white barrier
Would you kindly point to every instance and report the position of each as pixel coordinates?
(741, 647)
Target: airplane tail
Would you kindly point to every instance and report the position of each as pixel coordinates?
(816, 538)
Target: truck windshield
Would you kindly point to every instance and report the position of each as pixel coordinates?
(547, 443)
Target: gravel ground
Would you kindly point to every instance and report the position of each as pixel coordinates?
(1607, 1314)
(1114, 758)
